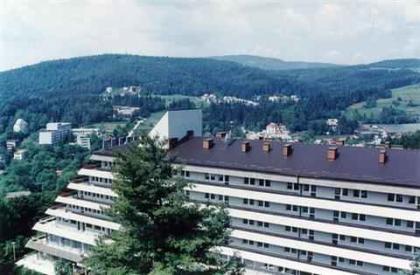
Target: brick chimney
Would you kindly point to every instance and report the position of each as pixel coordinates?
(245, 146)
(383, 157)
(287, 150)
(266, 146)
(332, 153)
(208, 143)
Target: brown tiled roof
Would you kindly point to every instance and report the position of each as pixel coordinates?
(307, 160)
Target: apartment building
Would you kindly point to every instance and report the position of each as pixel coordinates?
(294, 208)
(54, 133)
(309, 209)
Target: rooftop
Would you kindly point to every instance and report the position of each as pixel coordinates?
(402, 167)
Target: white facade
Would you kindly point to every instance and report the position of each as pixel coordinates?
(20, 126)
(176, 124)
(281, 224)
(54, 133)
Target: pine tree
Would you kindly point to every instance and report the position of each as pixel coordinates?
(415, 266)
(162, 232)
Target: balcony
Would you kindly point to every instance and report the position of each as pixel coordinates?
(51, 226)
(85, 186)
(40, 244)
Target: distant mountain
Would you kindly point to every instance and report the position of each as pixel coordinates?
(267, 63)
(90, 75)
(408, 63)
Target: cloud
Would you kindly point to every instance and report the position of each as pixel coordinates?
(340, 31)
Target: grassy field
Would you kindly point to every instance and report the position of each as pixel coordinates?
(400, 99)
(170, 98)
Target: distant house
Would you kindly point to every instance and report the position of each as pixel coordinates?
(18, 194)
(20, 126)
(54, 133)
(11, 144)
(125, 111)
(19, 154)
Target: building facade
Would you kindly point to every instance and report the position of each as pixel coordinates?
(310, 209)
(54, 133)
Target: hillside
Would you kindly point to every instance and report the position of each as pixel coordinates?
(267, 63)
(156, 74)
(68, 89)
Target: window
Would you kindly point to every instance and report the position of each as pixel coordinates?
(266, 204)
(412, 199)
(356, 193)
(260, 223)
(287, 228)
(251, 202)
(399, 198)
(289, 185)
(267, 183)
(261, 182)
(388, 245)
(408, 248)
(306, 187)
(410, 224)
(345, 192)
(354, 216)
(288, 207)
(353, 239)
(395, 246)
(362, 217)
(226, 178)
(212, 196)
(245, 221)
(220, 197)
(391, 197)
(206, 195)
(246, 180)
(252, 181)
(260, 203)
(187, 174)
(206, 176)
(397, 222)
(296, 186)
(343, 237)
(389, 221)
(220, 177)
(251, 222)
(245, 201)
(361, 240)
(364, 194)
(266, 224)
(212, 177)
(343, 215)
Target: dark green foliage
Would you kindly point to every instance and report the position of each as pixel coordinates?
(38, 171)
(162, 233)
(410, 141)
(63, 267)
(17, 217)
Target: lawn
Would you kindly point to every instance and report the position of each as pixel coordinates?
(400, 99)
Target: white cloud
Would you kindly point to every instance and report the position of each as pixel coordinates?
(340, 31)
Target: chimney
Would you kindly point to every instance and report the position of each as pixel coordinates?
(172, 142)
(221, 135)
(266, 146)
(245, 146)
(383, 157)
(287, 150)
(208, 143)
(332, 153)
(339, 142)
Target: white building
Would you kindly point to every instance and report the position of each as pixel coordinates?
(295, 209)
(54, 133)
(20, 126)
(83, 141)
(19, 154)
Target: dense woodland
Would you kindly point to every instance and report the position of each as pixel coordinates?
(68, 90)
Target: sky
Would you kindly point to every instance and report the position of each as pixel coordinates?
(336, 31)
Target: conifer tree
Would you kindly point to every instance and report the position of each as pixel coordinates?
(162, 231)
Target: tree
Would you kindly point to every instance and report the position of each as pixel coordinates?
(162, 231)
(415, 266)
(63, 267)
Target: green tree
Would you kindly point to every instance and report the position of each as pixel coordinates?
(63, 267)
(414, 266)
(162, 232)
